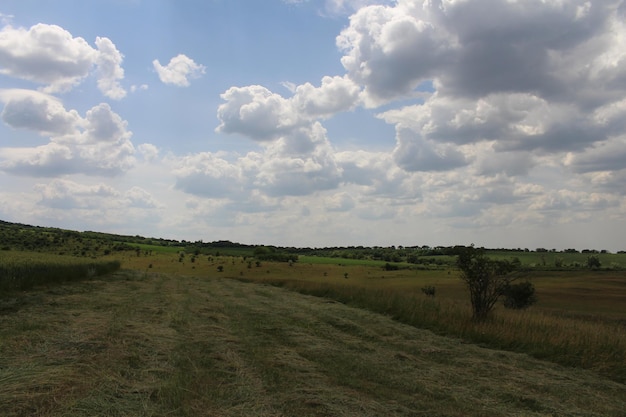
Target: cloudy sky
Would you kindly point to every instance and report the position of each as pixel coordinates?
(318, 122)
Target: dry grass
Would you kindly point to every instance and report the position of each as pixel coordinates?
(152, 344)
(23, 270)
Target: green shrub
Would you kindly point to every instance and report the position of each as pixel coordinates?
(519, 296)
(429, 290)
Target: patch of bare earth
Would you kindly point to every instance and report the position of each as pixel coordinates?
(155, 345)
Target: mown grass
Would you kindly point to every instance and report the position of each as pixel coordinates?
(152, 344)
(24, 270)
(586, 342)
(579, 321)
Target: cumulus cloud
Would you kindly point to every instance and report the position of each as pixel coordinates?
(414, 153)
(256, 112)
(32, 110)
(179, 70)
(260, 114)
(109, 64)
(299, 164)
(473, 49)
(98, 144)
(491, 72)
(208, 175)
(66, 194)
(336, 94)
(50, 55)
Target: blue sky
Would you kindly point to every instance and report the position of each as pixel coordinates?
(319, 122)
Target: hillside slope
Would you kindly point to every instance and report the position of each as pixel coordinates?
(152, 345)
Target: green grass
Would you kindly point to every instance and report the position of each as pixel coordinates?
(548, 259)
(322, 260)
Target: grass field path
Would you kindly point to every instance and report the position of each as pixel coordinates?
(160, 345)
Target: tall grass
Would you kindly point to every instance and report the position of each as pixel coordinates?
(599, 345)
(23, 270)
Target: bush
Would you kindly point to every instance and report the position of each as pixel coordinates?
(593, 262)
(429, 290)
(519, 296)
(390, 267)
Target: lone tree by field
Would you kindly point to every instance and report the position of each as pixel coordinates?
(486, 279)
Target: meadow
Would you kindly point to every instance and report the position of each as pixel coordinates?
(579, 320)
(144, 343)
(180, 330)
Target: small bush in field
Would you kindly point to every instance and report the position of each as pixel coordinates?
(593, 262)
(429, 290)
(519, 296)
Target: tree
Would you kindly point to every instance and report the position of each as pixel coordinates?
(486, 279)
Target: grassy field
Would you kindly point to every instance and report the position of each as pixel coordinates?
(198, 335)
(23, 270)
(549, 259)
(579, 320)
(145, 342)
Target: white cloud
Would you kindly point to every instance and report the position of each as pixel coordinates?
(414, 153)
(138, 197)
(262, 115)
(345, 7)
(336, 94)
(289, 86)
(256, 112)
(148, 151)
(474, 49)
(179, 70)
(340, 202)
(135, 88)
(298, 164)
(66, 194)
(109, 63)
(27, 109)
(391, 50)
(98, 144)
(50, 55)
(208, 175)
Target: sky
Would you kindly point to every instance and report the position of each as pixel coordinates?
(317, 123)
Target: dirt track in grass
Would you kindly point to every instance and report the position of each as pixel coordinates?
(155, 345)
